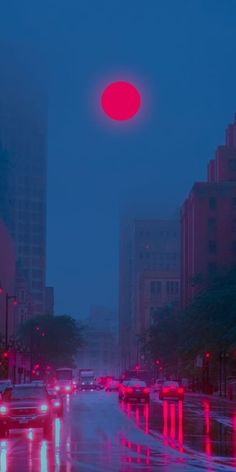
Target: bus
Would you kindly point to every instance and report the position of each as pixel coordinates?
(64, 380)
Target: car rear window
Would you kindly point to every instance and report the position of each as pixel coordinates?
(135, 383)
(171, 384)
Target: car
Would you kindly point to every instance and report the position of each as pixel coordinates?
(113, 386)
(88, 385)
(157, 385)
(136, 390)
(26, 406)
(56, 402)
(64, 388)
(171, 390)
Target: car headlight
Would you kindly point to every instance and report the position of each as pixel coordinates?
(44, 408)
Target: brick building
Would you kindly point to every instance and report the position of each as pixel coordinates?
(208, 220)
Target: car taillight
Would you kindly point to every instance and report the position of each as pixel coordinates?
(129, 390)
(146, 390)
(180, 390)
(165, 390)
(44, 408)
(3, 410)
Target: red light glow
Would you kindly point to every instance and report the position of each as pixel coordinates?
(121, 101)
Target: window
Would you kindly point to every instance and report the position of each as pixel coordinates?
(172, 287)
(212, 224)
(212, 203)
(212, 247)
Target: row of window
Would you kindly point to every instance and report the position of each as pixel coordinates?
(160, 257)
(171, 287)
(34, 250)
(212, 224)
(212, 201)
(157, 234)
(212, 247)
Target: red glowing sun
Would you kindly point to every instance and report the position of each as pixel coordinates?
(121, 101)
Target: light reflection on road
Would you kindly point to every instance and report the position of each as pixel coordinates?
(86, 437)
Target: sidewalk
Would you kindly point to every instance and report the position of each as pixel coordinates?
(214, 397)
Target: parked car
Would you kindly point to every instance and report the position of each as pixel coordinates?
(136, 390)
(26, 406)
(171, 390)
(56, 402)
(113, 386)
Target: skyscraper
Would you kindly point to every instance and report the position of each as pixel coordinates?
(148, 278)
(208, 221)
(23, 139)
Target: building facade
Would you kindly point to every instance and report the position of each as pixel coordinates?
(100, 351)
(208, 221)
(149, 273)
(23, 152)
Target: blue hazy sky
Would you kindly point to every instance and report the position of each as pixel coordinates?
(182, 56)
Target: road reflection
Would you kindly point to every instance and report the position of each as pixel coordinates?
(3, 456)
(172, 414)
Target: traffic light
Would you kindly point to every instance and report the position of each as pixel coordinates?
(207, 356)
(157, 362)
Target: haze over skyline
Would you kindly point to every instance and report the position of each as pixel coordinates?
(97, 171)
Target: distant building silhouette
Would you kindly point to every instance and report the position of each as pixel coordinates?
(23, 184)
(208, 221)
(149, 278)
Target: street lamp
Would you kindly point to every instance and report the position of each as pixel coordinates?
(8, 298)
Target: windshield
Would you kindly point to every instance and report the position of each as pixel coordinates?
(21, 393)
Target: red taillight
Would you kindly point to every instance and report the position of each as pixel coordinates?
(129, 389)
(146, 390)
(165, 390)
(180, 390)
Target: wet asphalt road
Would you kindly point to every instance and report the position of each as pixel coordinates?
(97, 434)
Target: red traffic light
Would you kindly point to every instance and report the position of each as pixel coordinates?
(5, 355)
(157, 362)
(207, 355)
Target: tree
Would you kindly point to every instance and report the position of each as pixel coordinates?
(207, 325)
(53, 340)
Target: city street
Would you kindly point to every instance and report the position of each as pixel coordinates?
(97, 434)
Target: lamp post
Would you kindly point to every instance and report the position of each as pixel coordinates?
(8, 297)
